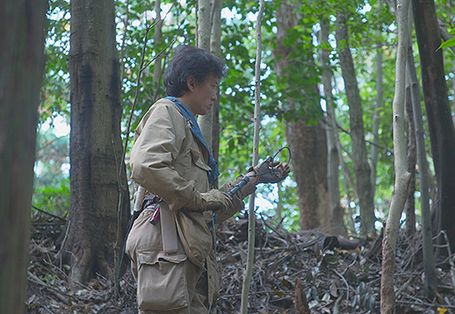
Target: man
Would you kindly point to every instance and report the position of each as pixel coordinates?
(170, 159)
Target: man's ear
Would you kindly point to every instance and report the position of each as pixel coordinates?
(191, 83)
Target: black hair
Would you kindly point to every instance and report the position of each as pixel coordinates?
(190, 61)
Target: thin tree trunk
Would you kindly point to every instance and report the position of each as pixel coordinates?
(347, 187)
(336, 211)
(122, 45)
(204, 27)
(279, 205)
(446, 36)
(409, 207)
(424, 177)
(95, 144)
(453, 94)
(204, 22)
(215, 48)
(359, 152)
(442, 132)
(424, 172)
(215, 36)
(157, 39)
(22, 29)
(257, 123)
(377, 106)
(347, 178)
(402, 175)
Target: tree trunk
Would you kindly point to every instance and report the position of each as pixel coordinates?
(446, 36)
(95, 145)
(409, 207)
(442, 132)
(279, 206)
(157, 39)
(333, 161)
(359, 152)
(215, 48)
(453, 94)
(424, 176)
(204, 27)
(215, 36)
(310, 170)
(402, 175)
(377, 106)
(348, 182)
(306, 138)
(257, 124)
(424, 172)
(22, 29)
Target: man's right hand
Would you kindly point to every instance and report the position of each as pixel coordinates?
(216, 200)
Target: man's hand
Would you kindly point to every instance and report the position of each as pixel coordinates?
(271, 172)
(216, 200)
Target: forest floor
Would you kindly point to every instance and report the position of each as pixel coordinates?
(303, 270)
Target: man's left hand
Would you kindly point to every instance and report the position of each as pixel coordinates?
(271, 172)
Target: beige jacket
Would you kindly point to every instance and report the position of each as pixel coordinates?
(168, 161)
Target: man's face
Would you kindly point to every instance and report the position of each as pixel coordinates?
(203, 95)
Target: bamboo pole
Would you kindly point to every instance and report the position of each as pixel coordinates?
(251, 214)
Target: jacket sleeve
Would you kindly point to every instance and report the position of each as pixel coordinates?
(153, 156)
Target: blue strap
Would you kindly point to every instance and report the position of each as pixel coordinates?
(189, 116)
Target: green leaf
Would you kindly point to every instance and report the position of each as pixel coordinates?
(448, 43)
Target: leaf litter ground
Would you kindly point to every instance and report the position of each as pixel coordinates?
(293, 273)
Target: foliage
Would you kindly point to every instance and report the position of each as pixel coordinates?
(55, 92)
(448, 43)
(53, 198)
(134, 17)
(51, 186)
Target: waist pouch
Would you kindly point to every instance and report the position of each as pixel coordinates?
(161, 281)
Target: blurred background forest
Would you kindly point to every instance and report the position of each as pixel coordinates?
(372, 38)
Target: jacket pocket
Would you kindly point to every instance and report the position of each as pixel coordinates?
(161, 282)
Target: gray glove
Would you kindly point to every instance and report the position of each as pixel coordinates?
(271, 172)
(216, 200)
